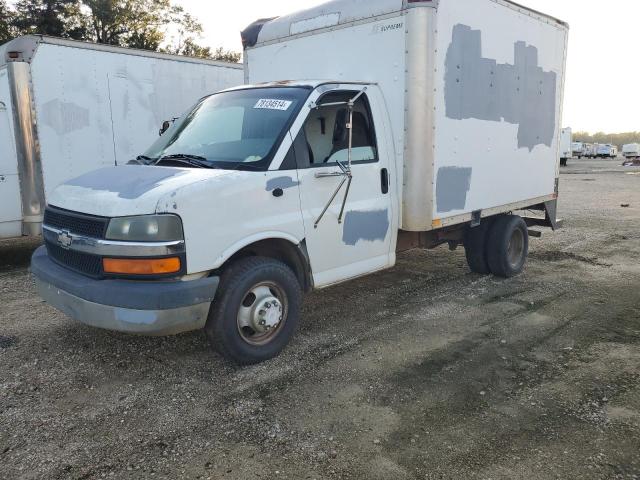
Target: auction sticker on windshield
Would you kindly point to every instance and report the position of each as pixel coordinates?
(273, 104)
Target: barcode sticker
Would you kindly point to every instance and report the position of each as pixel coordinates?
(273, 104)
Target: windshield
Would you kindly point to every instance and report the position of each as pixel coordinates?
(237, 129)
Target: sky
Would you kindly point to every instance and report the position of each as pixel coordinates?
(603, 67)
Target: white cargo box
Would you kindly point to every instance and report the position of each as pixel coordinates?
(68, 107)
(474, 91)
(631, 150)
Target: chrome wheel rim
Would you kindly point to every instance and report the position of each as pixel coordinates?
(262, 313)
(516, 247)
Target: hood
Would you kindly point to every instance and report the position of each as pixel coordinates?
(126, 190)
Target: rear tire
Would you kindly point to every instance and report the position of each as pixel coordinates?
(507, 246)
(475, 247)
(256, 310)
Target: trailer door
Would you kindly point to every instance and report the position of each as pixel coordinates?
(10, 208)
(359, 242)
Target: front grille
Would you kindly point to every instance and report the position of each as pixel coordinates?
(80, 262)
(79, 223)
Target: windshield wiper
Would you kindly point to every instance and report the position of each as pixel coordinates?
(142, 160)
(193, 160)
(243, 166)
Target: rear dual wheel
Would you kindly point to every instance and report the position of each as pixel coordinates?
(499, 247)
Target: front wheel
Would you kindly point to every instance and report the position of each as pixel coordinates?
(256, 310)
(507, 246)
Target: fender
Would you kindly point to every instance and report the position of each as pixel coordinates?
(228, 252)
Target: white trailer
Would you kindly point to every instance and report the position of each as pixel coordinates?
(631, 150)
(431, 123)
(68, 107)
(566, 146)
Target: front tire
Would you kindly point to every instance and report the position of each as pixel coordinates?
(507, 246)
(256, 310)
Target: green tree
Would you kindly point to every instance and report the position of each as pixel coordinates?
(57, 18)
(6, 17)
(128, 23)
(184, 42)
(143, 24)
(226, 55)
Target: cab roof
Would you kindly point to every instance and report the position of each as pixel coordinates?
(312, 84)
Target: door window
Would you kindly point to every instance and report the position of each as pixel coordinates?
(327, 135)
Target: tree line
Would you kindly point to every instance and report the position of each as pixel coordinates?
(157, 25)
(618, 139)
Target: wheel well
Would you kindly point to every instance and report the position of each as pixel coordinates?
(294, 256)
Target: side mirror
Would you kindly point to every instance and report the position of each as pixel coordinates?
(165, 126)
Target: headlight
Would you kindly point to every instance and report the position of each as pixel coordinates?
(148, 228)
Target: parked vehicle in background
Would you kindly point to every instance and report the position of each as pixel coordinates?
(592, 151)
(577, 149)
(263, 192)
(589, 150)
(607, 151)
(565, 146)
(631, 150)
(68, 107)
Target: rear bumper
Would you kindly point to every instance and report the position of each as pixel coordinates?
(141, 307)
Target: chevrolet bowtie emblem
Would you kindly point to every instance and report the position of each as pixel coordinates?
(65, 239)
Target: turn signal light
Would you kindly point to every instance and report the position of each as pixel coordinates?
(131, 266)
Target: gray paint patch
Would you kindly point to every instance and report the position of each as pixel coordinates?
(522, 94)
(65, 117)
(281, 182)
(365, 226)
(129, 182)
(452, 186)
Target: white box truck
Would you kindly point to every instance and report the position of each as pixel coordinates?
(631, 150)
(578, 149)
(566, 146)
(590, 150)
(428, 123)
(606, 150)
(68, 107)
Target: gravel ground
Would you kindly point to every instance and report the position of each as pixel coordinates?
(423, 371)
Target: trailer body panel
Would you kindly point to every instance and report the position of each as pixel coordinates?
(498, 106)
(10, 211)
(91, 106)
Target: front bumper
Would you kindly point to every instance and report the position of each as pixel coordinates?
(131, 306)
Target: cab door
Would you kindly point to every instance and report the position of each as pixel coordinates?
(359, 241)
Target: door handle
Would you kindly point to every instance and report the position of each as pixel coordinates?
(328, 174)
(384, 181)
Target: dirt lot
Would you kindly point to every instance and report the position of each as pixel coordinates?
(423, 371)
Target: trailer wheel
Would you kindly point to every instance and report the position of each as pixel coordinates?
(475, 247)
(256, 310)
(508, 246)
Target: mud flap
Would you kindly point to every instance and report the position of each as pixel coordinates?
(551, 208)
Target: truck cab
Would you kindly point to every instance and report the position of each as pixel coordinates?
(294, 182)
